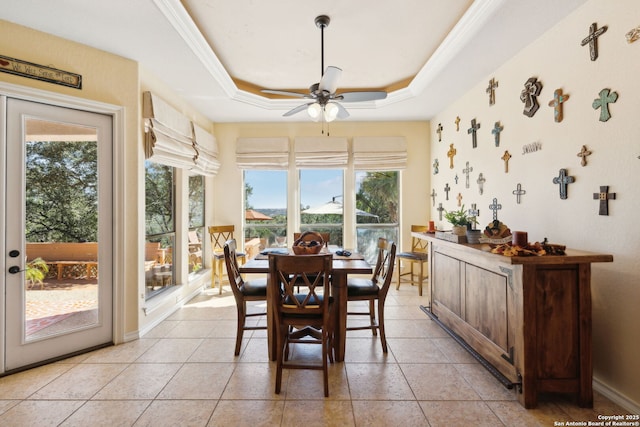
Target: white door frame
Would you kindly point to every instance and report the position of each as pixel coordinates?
(117, 114)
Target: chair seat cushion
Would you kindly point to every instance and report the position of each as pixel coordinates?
(359, 287)
(255, 287)
(418, 256)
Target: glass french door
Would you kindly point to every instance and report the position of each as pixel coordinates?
(58, 232)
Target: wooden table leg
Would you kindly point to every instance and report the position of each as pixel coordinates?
(338, 287)
(271, 328)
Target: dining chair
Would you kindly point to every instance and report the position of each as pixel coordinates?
(418, 255)
(219, 234)
(251, 290)
(301, 318)
(374, 289)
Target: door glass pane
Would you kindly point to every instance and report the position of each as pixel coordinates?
(61, 228)
(321, 202)
(196, 222)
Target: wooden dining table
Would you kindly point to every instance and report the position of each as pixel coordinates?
(341, 268)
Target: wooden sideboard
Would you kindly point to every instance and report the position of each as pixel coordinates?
(529, 317)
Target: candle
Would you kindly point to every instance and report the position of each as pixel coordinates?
(520, 238)
(432, 226)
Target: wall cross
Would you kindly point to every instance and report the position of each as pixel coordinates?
(447, 189)
(606, 97)
(457, 122)
(592, 39)
(532, 88)
(459, 197)
(452, 152)
(506, 156)
(563, 180)
(433, 196)
(440, 209)
(604, 196)
(495, 207)
(491, 90)
(439, 132)
(473, 214)
(466, 171)
(583, 155)
(472, 130)
(436, 167)
(481, 180)
(496, 133)
(558, 99)
(518, 192)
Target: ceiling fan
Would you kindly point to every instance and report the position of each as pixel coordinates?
(324, 96)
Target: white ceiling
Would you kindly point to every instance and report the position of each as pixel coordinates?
(426, 53)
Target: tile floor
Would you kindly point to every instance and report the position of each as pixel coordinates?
(183, 373)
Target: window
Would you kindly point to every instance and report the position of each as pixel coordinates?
(160, 227)
(321, 202)
(377, 214)
(196, 222)
(265, 202)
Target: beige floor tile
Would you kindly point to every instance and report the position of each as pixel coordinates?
(513, 413)
(376, 381)
(170, 350)
(198, 381)
(419, 328)
(80, 382)
(5, 405)
(403, 312)
(214, 350)
(253, 350)
(224, 329)
(192, 329)
(107, 413)
(416, 350)
(23, 384)
(122, 353)
(40, 413)
(388, 413)
(172, 413)
(485, 384)
(139, 381)
(254, 381)
(247, 413)
(438, 382)
(309, 384)
(312, 413)
(456, 413)
(366, 350)
(454, 352)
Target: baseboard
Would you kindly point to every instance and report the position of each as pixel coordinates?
(616, 397)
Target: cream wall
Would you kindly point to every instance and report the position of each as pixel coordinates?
(558, 61)
(228, 189)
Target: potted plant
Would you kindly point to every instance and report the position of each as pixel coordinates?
(460, 221)
(35, 272)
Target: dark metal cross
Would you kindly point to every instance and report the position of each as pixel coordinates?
(518, 192)
(440, 209)
(439, 132)
(592, 39)
(433, 196)
(563, 180)
(583, 155)
(558, 99)
(495, 207)
(604, 196)
(456, 178)
(481, 180)
(602, 103)
(447, 189)
(473, 214)
(532, 88)
(496, 133)
(466, 171)
(491, 90)
(472, 130)
(436, 166)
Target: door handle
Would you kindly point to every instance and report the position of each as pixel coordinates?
(14, 269)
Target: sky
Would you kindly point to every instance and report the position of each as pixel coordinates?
(317, 187)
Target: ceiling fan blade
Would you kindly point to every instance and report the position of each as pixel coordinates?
(329, 81)
(297, 109)
(285, 93)
(342, 112)
(361, 96)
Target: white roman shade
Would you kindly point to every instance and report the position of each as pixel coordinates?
(321, 152)
(207, 152)
(262, 153)
(168, 134)
(379, 153)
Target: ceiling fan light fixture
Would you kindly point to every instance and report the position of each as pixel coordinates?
(315, 111)
(330, 112)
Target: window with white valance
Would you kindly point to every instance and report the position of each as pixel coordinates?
(262, 153)
(324, 152)
(168, 134)
(379, 153)
(207, 152)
